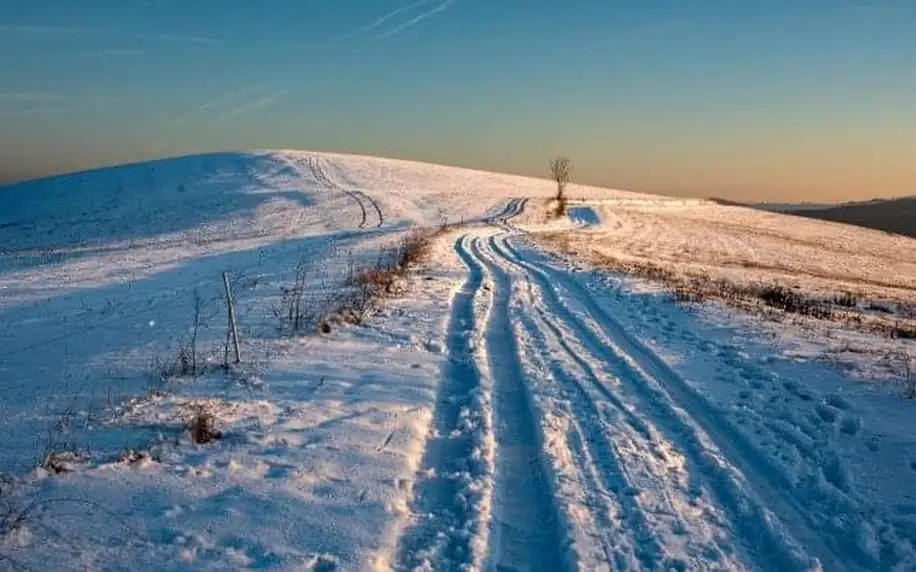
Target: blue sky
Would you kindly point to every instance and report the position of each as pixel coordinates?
(778, 100)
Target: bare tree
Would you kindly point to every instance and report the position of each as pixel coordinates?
(561, 170)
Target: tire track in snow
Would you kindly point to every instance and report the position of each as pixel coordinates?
(819, 522)
(603, 458)
(526, 531)
(641, 457)
(375, 207)
(321, 175)
(512, 209)
(451, 492)
(630, 460)
(312, 161)
(737, 473)
(600, 463)
(361, 195)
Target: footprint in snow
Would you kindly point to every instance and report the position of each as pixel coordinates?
(322, 563)
(838, 402)
(874, 444)
(279, 471)
(850, 425)
(827, 414)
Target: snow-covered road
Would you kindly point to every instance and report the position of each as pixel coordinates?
(604, 455)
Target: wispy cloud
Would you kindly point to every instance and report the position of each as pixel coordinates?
(52, 30)
(114, 53)
(25, 104)
(874, 8)
(231, 98)
(441, 7)
(384, 18)
(40, 29)
(261, 102)
(225, 100)
(177, 38)
(38, 111)
(22, 104)
(31, 97)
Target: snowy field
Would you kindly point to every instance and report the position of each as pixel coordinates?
(506, 408)
(745, 245)
(864, 278)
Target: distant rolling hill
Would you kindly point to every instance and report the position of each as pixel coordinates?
(891, 215)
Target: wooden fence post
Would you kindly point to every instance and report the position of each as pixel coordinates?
(233, 332)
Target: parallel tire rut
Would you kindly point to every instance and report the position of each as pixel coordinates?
(450, 491)
(653, 382)
(512, 209)
(361, 198)
(487, 493)
(527, 531)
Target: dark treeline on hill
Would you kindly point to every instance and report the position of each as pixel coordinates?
(897, 216)
(892, 215)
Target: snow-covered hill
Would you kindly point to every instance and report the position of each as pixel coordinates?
(506, 410)
(98, 270)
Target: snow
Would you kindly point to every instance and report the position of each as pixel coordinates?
(584, 215)
(509, 408)
(744, 245)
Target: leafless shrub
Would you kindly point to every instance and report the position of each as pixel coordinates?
(774, 296)
(902, 330)
(792, 301)
(414, 249)
(62, 453)
(846, 300)
(357, 304)
(131, 456)
(879, 307)
(907, 310)
(297, 313)
(186, 359)
(161, 369)
(60, 462)
(190, 352)
(11, 514)
(293, 311)
(202, 426)
(686, 295)
(391, 266)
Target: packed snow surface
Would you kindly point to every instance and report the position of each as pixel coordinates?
(505, 409)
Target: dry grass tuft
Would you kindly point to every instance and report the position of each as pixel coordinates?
(202, 426)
